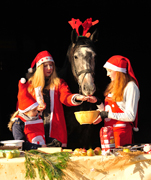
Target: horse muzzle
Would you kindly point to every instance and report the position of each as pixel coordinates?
(87, 86)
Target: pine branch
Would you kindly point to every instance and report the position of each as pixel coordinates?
(46, 164)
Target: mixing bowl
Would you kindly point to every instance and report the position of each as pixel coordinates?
(86, 117)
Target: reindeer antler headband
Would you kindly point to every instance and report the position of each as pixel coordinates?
(75, 23)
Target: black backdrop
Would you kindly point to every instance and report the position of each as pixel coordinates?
(29, 27)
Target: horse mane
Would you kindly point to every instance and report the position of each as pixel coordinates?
(65, 72)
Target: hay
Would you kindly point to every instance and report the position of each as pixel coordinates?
(120, 161)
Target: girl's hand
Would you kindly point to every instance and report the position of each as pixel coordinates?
(81, 98)
(91, 99)
(41, 108)
(97, 120)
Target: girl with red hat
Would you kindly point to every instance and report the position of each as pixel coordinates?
(55, 92)
(121, 100)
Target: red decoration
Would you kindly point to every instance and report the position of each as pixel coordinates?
(87, 24)
(75, 23)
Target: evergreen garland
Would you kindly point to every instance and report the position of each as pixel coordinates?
(49, 165)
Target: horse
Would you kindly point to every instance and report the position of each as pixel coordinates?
(78, 71)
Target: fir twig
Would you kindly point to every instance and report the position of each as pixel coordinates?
(46, 164)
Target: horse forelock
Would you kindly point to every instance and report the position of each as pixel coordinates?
(85, 50)
(82, 47)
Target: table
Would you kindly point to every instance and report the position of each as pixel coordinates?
(88, 168)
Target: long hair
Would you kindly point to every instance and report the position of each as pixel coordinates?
(38, 79)
(116, 87)
(12, 120)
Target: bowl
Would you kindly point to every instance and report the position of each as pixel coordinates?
(12, 143)
(86, 117)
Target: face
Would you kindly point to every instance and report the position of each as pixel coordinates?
(48, 68)
(111, 74)
(32, 113)
(83, 67)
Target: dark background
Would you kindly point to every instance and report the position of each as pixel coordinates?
(28, 27)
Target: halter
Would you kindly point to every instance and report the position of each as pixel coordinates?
(84, 71)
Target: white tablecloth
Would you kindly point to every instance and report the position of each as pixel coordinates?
(87, 168)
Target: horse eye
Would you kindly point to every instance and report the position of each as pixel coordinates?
(75, 57)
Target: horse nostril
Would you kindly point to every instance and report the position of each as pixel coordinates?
(84, 87)
(89, 90)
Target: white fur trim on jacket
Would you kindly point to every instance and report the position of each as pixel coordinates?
(51, 107)
(73, 100)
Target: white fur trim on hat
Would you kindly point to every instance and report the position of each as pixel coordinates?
(23, 80)
(29, 108)
(30, 70)
(114, 68)
(43, 60)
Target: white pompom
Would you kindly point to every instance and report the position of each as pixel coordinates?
(136, 129)
(30, 70)
(23, 80)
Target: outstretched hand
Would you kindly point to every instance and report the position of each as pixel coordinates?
(91, 99)
(81, 98)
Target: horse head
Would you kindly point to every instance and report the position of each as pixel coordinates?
(81, 55)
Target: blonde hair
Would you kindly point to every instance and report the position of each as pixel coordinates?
(12, 120)
(38, 79)
(116, 87)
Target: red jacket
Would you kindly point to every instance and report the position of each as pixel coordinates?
(59, 96)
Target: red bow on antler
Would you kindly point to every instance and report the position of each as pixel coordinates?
(87, 24)
(75, 23)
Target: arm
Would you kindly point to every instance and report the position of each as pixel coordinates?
(18, 134)
(131, 98)
(69, 99)
(66, 97)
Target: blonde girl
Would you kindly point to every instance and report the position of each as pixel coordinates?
(55, 92)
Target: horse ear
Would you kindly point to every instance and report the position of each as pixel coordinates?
(74, 36)
(94, 36)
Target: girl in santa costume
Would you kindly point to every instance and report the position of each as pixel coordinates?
(55, 92)
(25, 123)
(121, 100)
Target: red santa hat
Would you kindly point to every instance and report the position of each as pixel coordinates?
(42, 57)
(25, 100)
(122, 64)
